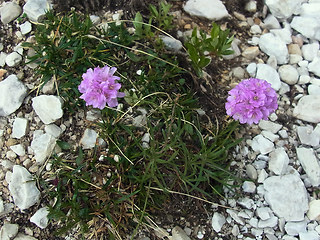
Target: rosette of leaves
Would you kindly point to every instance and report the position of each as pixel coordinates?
(201, 46)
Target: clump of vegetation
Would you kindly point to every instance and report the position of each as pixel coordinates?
(170, 149)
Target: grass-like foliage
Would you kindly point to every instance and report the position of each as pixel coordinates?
(111, 190)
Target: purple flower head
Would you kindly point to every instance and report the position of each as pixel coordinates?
(99, 87)
(251, 100)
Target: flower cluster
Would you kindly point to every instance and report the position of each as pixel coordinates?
(99, 87)
(251, 100)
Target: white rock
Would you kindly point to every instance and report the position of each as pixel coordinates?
(235, 49)
(8, 231)
(304, 79)
(211, 9)
(272, 62)
(271, 22)
(234, 215)
(309, 51)
(287, 196)
(251, 172)
(283, 9)
(310, 9)
(262, 176)
(48, 108)
(96, 19)
(310, 164)
(294, 228)
(255, 29)
(249, 187)
(307, 136)
(171, 44)
(313, 89)
(89, 139)
(269, 135)
(261, 144)
(19, 127)
(36, 9)
(40, 218)
(269, 74)
(42, 145)
(308, 108)
(273, 45)
(18, 149)
(314, 210)
(53, 130)
(284, 34)
(269, 223)
(264, 213)
(279, 161)
(252, 69)
(288, 74)
(307, 26)
(310, 235)
(9, 11)
(13, 59)
(247, 203)
(179, 234)
(1, 206)
(23, 188)
(251, 6)
(25, 28)
(314, 66)
(294, 58)
(287, 237)
(12, 93)
(218, 220)
(3, 57)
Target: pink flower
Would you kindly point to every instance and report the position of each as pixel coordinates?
(99, 87)
(251, 100)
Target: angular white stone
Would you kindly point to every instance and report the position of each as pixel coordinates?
(19, 127)
(314, 65)
(274, 46)
(25, 27)
(284, 34)
(279, 161)
(310, 235)
(218, 220)
(42, 145)
(9, 11)
(314, 210)
(269, 223)
(12, 93)
(1, 206)
(309, 51)
(36, 9)
(310, 9)
(252, 69)
(313, 89)
(288, 74)
(307, 26)
(308, 109)
(249, 187)
(53, 130)
(307, 136)
(48, 108)
(179, 234)
(264, 213)
(269, 74)
(283, 9)
(8, 231)
(271, 22)
(13, 59)
(287, 196)
(261, 144)
(234, 215)
(40, 218)
(89, 139)
(23, 188)
(294, 228)
(310, 164)
(3, 57)
(18, 149)
(211, 9)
